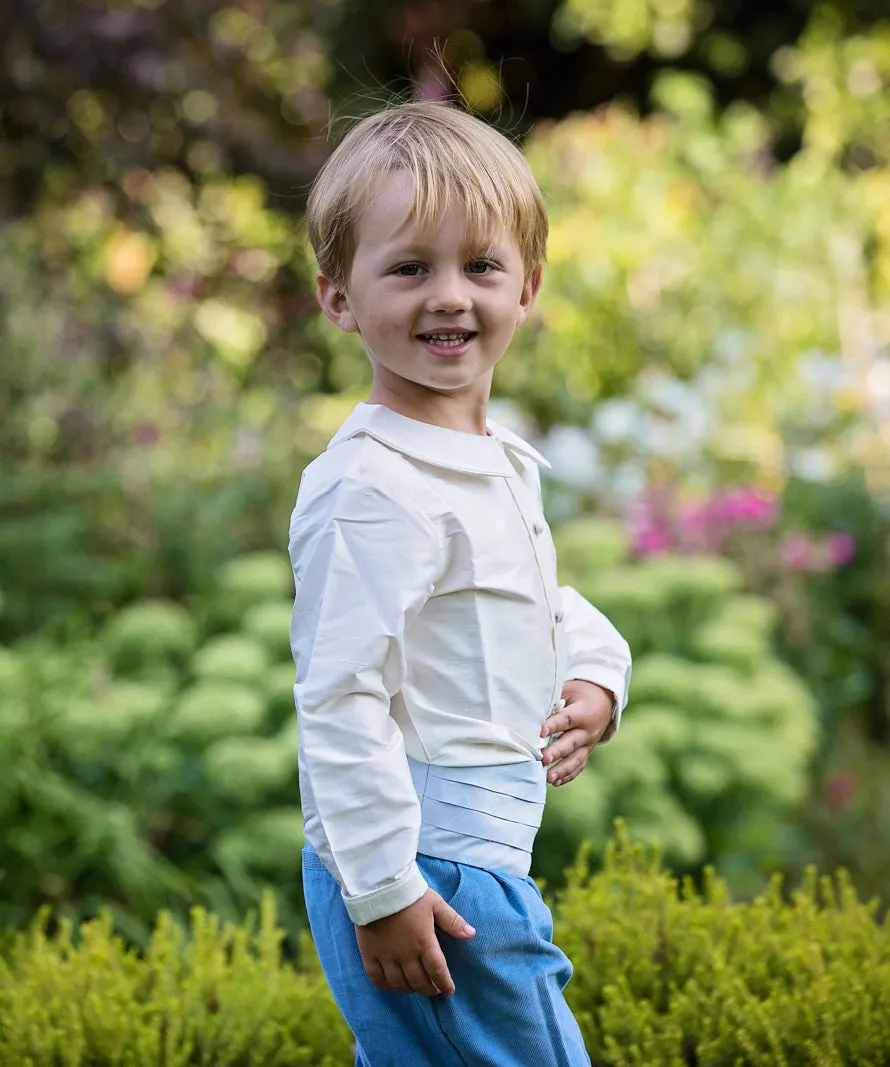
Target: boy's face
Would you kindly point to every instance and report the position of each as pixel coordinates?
(432, 314)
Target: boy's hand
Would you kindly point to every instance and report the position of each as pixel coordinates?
(401, 952)
(582, 723)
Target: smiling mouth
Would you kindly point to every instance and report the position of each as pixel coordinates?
(446, 339)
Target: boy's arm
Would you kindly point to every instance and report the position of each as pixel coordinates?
(596, 651)
(360, 579)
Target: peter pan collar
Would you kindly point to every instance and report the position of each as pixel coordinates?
(467, 453)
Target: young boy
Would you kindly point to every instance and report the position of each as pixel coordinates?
(437, 659)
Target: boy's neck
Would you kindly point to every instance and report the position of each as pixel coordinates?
(468, 415)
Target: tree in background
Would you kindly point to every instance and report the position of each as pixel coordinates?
(156, 309)
(249, 87)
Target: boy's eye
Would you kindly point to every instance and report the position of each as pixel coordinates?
(408, 270)
(479, 266)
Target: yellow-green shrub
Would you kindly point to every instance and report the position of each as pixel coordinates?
(664, 977)
(224, 999)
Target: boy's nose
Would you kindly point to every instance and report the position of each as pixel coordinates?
(450, 295)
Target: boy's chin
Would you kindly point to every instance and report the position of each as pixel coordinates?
(438, 377)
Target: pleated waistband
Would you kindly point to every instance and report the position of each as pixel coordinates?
(484, 816)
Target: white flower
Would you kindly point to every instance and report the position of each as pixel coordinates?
(574, 456)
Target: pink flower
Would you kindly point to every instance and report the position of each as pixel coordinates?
(799, 553)
(697, 518)
(841, 548)
(701, 527)
(649, 540)
(748, 506)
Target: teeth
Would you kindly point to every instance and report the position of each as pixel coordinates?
(447, 336)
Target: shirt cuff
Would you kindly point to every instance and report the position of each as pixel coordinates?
(393, 897)
(615, 682)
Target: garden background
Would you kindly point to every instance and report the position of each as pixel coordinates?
(708, 369)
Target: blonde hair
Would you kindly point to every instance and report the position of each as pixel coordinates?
(451, 156)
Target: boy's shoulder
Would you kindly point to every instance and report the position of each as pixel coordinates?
(359, 462)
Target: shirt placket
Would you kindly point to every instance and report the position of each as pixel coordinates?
(536, 528)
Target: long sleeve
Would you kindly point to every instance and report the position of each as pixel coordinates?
(364, 567)
(596, 650)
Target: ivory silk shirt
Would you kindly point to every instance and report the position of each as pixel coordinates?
(427, 622)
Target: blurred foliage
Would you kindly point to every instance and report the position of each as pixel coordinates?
(831, 69)
(713, 758)
(846, 822)
(169, 320)
(175, 316)
(155, 766)
(835, 631)
(680, 253)
(820, 552)
(662, 975)
(156, 308)
(820, 555)
(838, 77)
(835, 622)
(236, 87)
(204, 88)
(78, 541)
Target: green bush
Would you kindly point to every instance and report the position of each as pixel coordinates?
(713, 754)
(269, 622)
(78, 543)
(216, 709)
(155, 766)
(238, 658)
(248, 581)
(664, 976)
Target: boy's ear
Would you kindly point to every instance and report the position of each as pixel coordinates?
(529, 292)
(335, 304)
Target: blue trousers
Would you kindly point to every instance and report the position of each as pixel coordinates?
(508, 1009)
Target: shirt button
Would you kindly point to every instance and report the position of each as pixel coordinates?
(558, 617)
(538, 528)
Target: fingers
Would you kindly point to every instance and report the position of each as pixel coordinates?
(559, 722)
(395, 977)
(447, 919)
(427, 975)
(437, 971)
(375, 973)
(588, 707)
(566, 745)
(567, 769)
(387, 976)
(401, 952)
(419, 979)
